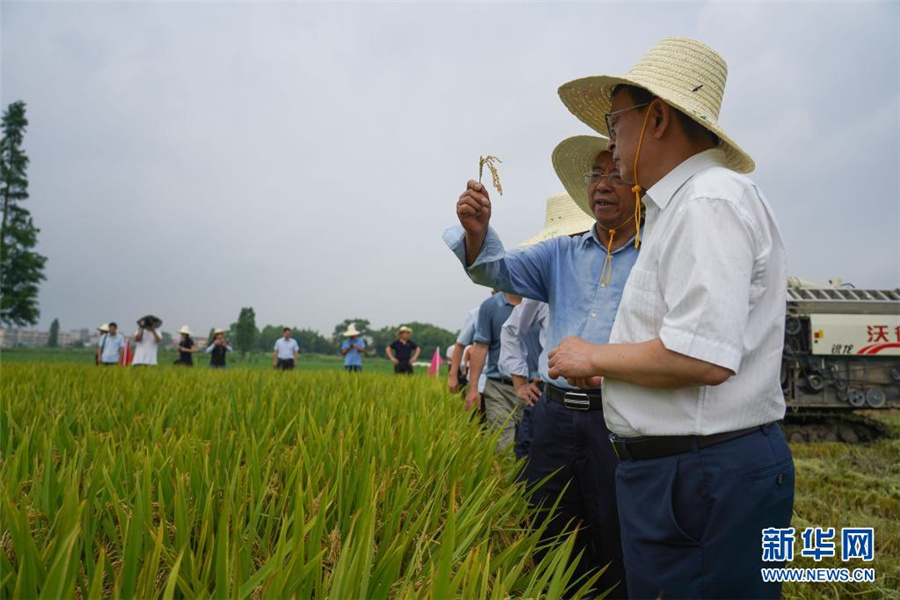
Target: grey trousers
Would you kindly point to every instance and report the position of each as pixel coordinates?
(503, 411)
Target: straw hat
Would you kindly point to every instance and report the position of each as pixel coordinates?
(404, 328)
(185, 330)
(218, 331)
(351, 331)
(685, 73)
(572, 158)
(563, 217)
(103, 328)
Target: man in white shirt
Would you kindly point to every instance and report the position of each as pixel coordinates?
(286, 351)
(146, 341)
(691, 386)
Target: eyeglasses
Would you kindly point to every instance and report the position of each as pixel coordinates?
(610, 125)
(596, 177)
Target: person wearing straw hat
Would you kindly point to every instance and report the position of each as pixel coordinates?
(146, 341)
(100, 331)
(403, 352)
(218, 350)
(690, 382)
(111, 348)
(581, 278)
(352, 348)
(286, 351)
(186, 348)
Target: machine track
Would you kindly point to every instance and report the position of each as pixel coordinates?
(800, 427)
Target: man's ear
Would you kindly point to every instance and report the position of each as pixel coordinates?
(661, 117)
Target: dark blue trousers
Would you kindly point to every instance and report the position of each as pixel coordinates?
(572, 447)
(692, 523)
(523, 434)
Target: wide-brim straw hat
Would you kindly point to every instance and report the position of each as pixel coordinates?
(572, 158)
(404, 328)
(103, 328)
(563, 217)
(185, 330)
(218, 331)
(351, 331)
(685, 73)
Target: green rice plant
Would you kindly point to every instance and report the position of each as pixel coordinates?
(129, 483)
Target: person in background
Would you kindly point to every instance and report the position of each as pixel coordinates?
(456, 380)
(522, 340)
(102, 329)
(352, 348)
(146, 342)
(218, 349)
(502, 410)
(111, 349)
(403, 352)
(284, 356)
(186, 348)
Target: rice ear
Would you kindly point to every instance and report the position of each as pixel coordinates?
(495, 176)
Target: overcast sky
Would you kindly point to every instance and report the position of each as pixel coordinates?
(188, 159)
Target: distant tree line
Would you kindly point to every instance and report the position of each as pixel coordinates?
(248, 337)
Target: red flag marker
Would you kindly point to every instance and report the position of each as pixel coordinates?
(436, 362)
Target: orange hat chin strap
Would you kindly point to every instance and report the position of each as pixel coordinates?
(636, 188)
(606, 274)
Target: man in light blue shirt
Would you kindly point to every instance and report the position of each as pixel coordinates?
(352, 349)
(111, 348)
(582, 279)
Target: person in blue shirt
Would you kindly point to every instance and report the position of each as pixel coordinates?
(111, 348)
(502, 410)
(352, 349)
(581, 278)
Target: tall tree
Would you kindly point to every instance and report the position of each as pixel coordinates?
(245, 331)
(53, 340)
(21, 269)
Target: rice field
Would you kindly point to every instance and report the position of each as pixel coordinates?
(122, 483)
(249, 483)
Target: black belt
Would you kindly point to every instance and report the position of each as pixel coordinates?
(648, 447)
(506, 380)
(576, 399)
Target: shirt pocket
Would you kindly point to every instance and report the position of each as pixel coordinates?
(643, 302)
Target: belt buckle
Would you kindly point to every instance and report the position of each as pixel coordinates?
(577, 401)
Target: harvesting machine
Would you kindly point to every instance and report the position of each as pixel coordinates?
(841, 354)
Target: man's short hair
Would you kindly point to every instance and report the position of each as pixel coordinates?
(113, 324)
(694, 131)
(285, 329)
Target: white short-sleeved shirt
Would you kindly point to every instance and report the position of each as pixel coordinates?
(710, 282)
(145, 350)
(517, 346)
(286, 347)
